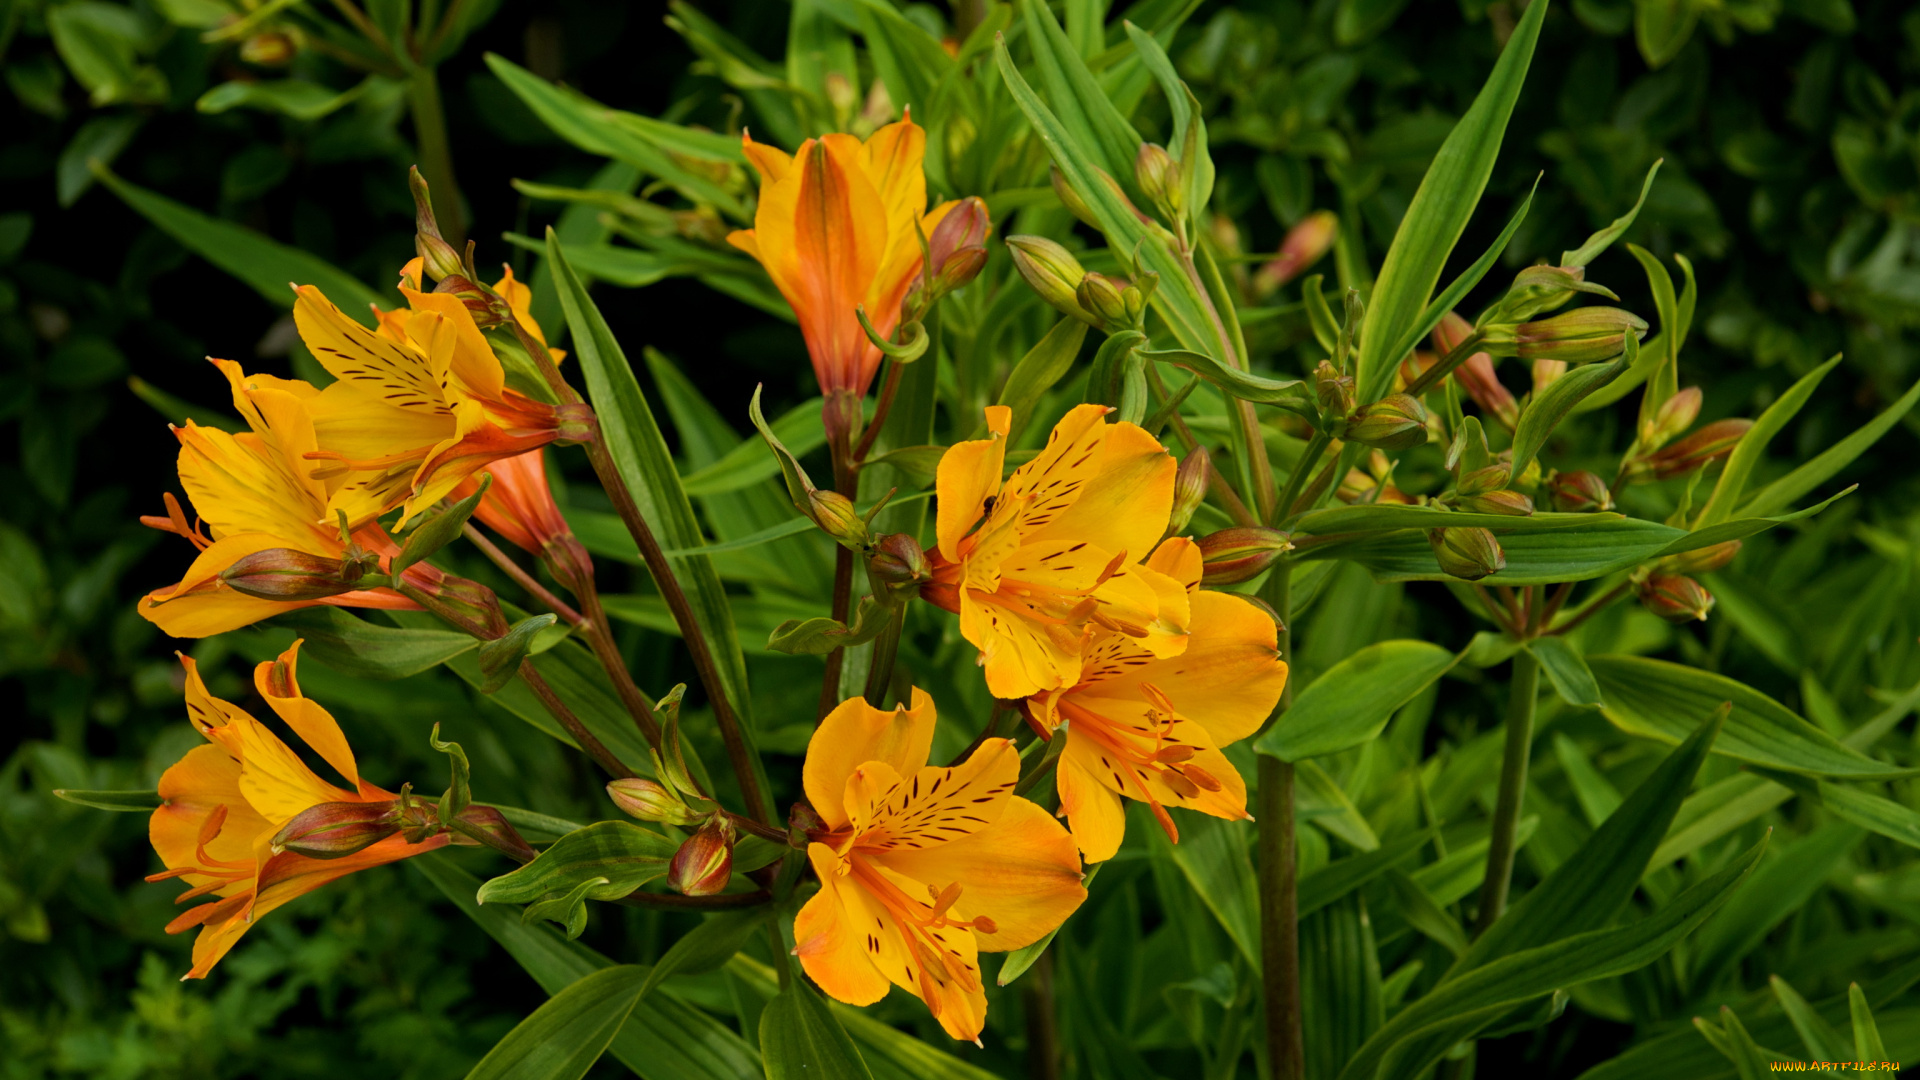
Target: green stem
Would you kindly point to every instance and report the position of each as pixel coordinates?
(1279, 869)
(886, 648)
(1043, 1031)
(1297, 479)
(1521, 694)
(436, 153)
(593, 746)
(1445, 367)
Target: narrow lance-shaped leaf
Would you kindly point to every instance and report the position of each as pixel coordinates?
(1441, 208)
(1458, 289)
(801, 1040)
(1783, 492)
(567, 1034)
(1753, 446)
(1552, 405)
(1354, 699)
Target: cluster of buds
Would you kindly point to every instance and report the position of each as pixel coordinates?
(1242, 553)
(1305, 244)
(704, 863)
(1102, 301)
(1481, 479)
(955, 254)
(1467, 553)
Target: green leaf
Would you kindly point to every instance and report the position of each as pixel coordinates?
(567, 1034)
(1567, 670)
(1352, 702)
(1425, 914)
(1440, 210)
(1716, 811)
(266, 265)
(1044, 365)
(623, 853)
(1381, 518)
(1546, 409)
(1292, 394)
(820, 636)
(1602, 240)
(1321, 800)
(1867, 1045)
(1212, 856)
(1823, 1043)
(706, 946)
(1783, 492)
(748, 463)
(1781, 886)
(801, 1040)
(365, 650)
(664, 1038)
(1096, 127)
(1658, 355)
(1587, 890)
(1323, 886)
(1458, 289)
(1661, 700)
(1406, 1044)
(142, 802)
(1752, 446)
(500, 658)
(1596, 794)
(639, 452)
(295, 98)
(1662, 27)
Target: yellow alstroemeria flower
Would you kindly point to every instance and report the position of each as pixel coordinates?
(1059, 550)
(222, 803)
(1150, 728)
(253, 492)
(923, 868)
(836, 228)
(420, 403)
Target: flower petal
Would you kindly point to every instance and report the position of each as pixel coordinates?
(1022, 872)
(840, 936)
(1093, 810)
(855, 733)
(968, 473)
(278, 682)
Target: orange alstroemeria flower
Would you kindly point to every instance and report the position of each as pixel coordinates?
(923, 868)
(420, 404)
(1060, 548)
(253, 492)
(1150, 728)
(836, 229)
(222, 803)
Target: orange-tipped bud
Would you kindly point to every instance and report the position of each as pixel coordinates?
(1242, 553)
(1395, 422)
(649, 800)
(1305, 244)
(1675, 415)
(1451, 331)
(1510, 503)
(1675, 598)
(1709, 444)
(704, 864)
(899, 562)
(337, 829)
(1579, 492)
(1546, 373)
(1051, 271)
(1701, 560)
(1159, 177)
(1476, 376)
(287, 574)
(1468, 554)
(1189, 489)
(1580, 336)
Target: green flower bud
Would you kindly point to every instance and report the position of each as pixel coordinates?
(1465, 553)
(1580, 336)
(1189, 489)
(287, 574)
(1071, 199)
(1488, 478)
(1511, 503)
(1104, 296)
(649, 800)
(1333, 391)
(1701, 560)
(837, 517)
(1239, 554)
(1159, 178)
(1675, 415)
(1395, 422)
(1051, 271)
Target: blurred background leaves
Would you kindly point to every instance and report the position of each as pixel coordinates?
(1792, 175)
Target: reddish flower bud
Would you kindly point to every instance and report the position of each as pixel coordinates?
(1189, 489)
(958, 247)
(1546, 373)
(488, 820)
(1305, 244)
(1395, 422)
(438, 257)
(649, 800)
(1468, 554)
(1579, 336)
(287, 574)
(1242, 553)
(1675, 415)
(1675, 598)
(1708, 444)
(1476, 376)
(704, 864)
(1579, 492)
(1481, 481)
(466, 604)
(333, 830)
(899, 561)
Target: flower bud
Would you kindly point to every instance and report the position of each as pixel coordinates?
(958, 247)
(287, 574)
(1675, 415)
(1145, 284)
(1476, 376)
(1051, 271)
(333, 830)
(1071, 199)
(1508, 502)
(1708, 444)
(1675, 598)
(898, 561)
(1468, 554)
(1546, 373)
(1104, 296)
(1701, 560)
(650, 800)
(1304, 245)
(1395, 422)
(1540, 289)
(466, 604)
(1242, 553)
(269, 49)
(1579, 492)
(1159, 177)
(1333, 391)
(803, 824)
(704, 864)
(439, 258)
(488, 820)
(1579, 336)
(1482, 481)
(1189, 489)
(836, 516)
(1451, 331)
